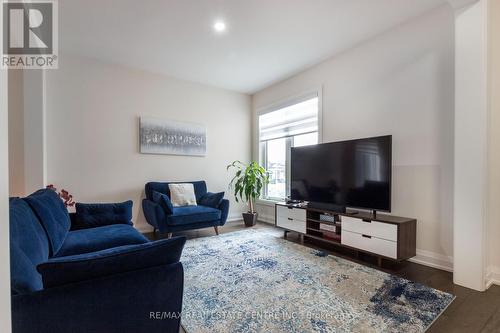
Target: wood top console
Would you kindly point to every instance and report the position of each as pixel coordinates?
(385, 236)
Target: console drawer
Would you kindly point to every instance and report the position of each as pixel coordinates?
(385, 231)
(374, 245)
(293, 213)
(291, 224)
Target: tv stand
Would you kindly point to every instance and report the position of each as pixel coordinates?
(385, 236)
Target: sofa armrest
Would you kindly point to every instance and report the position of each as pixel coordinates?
(224, 207)
(126, 302)
(154, 213)
(82, 267)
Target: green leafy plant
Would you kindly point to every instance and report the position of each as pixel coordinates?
(248, 182)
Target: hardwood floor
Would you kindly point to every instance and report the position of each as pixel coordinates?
(470, 312)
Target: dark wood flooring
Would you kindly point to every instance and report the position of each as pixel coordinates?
(470, 312)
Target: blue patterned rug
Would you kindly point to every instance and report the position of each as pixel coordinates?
(252, 281)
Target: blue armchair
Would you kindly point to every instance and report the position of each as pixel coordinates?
(183, 218)
(106, 278)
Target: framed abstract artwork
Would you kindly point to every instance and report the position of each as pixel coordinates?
(161, 136)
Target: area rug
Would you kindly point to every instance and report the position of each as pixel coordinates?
(253, 281)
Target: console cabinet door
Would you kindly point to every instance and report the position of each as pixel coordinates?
(372, 228)
(291, 219)
(371, 244)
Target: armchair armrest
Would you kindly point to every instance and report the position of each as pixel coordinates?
(122, 302)
(154, 213)
(82, 267)
(224, 207)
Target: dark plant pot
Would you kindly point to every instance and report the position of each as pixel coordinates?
(250, 219)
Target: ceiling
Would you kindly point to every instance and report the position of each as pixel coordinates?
(266, 40)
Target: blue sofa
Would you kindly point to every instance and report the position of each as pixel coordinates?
(107, 278)
(183, 218)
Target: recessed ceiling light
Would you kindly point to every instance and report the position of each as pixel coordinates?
(219, 26)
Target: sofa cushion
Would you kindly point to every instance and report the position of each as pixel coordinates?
(29, 246)
(98, 215)
(50, 210)
(200, 188)
(164, 201)
(210, 199)
(193, 214)
(60, 271)
(100, 238)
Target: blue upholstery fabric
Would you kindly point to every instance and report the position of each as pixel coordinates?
(103, 302)
(164, 201)
(200, 188)
(101, 238)
(50, 210)
(224, 208)
(193, 214)
(61, 271)
(189, 217)
(155, 215)
(193, 226)
(210, 199)
(118, 303)
(98, 215)
(29, 246)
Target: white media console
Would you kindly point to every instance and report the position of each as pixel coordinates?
(384, 236)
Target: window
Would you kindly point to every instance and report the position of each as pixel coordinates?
(280, 129)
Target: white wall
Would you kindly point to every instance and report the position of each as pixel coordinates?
(27, 156)
(493, 229)
(471, 147)
(35, 166)
(400, 83)
(16, 134)
(5, 318)
(92, 117)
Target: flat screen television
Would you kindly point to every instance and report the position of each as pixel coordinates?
(353, 173)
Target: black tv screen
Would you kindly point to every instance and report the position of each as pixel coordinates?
(354, 173)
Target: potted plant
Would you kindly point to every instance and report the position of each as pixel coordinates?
(248, 182)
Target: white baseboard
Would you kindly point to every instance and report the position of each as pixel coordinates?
(234, 218)
(492, 276)
(434, 260)
(266, 219)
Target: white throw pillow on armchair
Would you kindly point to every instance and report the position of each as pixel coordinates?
(182, 194)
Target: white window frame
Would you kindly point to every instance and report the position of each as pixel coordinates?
(291, 100)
